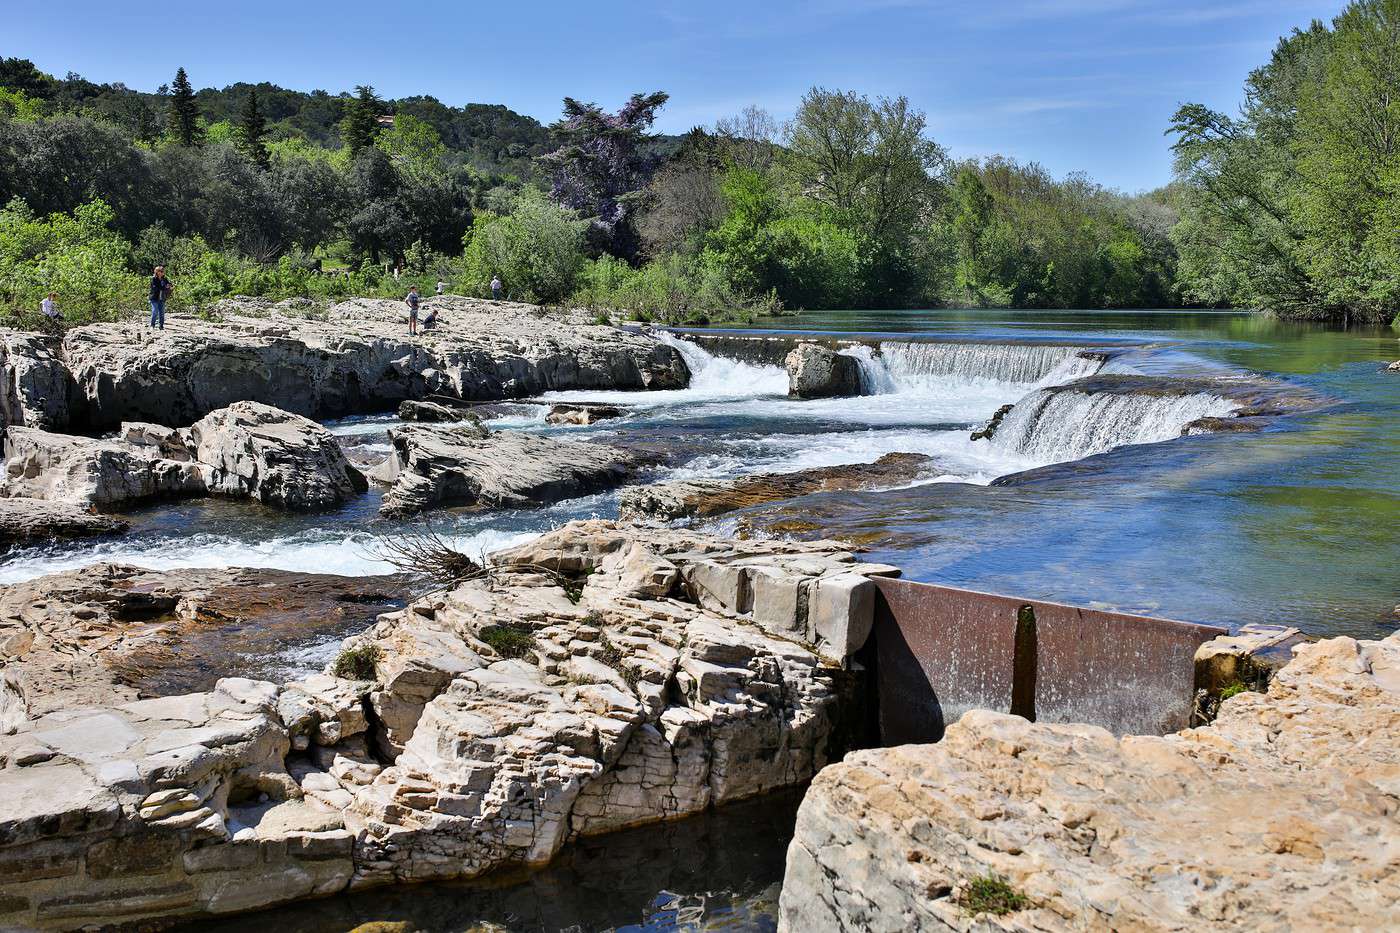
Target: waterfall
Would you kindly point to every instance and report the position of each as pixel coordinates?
(875, 376)
(911, 363)
(717, 377)
(1050, 426)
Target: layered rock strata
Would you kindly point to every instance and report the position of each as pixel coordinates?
(706, 498)
(600, 677)
(1282, 814)
(247, 450)
(24, 520)
(433, 465)
(356, 357)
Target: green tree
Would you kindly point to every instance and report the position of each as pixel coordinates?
(252, 127)
(537, 250)
(183, 121)
(360, 125)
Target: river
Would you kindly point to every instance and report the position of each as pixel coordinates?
(1097, 501)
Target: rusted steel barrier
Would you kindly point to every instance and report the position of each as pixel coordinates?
(940, 651)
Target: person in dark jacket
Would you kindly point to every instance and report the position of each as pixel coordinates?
(161, 287)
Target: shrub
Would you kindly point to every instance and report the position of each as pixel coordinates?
(358, 662)
(537, 250)
(991, 895)
(508, 641)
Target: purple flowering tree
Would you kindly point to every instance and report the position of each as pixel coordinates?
(600, 164)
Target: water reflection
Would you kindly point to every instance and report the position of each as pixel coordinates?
(717, 871)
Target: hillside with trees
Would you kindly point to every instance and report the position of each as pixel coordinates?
(254, 189)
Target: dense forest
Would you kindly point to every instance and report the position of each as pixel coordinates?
(254, 189)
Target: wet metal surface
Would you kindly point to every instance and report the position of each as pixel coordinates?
(941, 651)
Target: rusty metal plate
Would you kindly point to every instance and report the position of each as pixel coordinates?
(1129, 674)
(940, 651)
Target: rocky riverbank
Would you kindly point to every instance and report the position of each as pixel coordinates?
(355, 357)
(601, 677)
(1282, 814)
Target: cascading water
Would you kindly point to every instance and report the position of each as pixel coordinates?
(911, 363)
(1053, 426)
(875, 376)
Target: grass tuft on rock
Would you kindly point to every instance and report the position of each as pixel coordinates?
(1234, 689)
(612, 656)
(358, 662)
(508, 641)
(991, 895)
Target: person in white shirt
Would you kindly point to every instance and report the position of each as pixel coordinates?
(441, 286)
(49, 307)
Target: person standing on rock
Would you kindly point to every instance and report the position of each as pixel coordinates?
(496, 287)
(441, 287)
(412, 301)
(161, 287)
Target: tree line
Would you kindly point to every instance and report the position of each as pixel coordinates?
(850, 204)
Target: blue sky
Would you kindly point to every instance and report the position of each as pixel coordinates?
(1083, 85)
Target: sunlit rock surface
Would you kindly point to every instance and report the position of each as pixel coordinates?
(1281, 815)
(247, 450)
(599, 677)
(356, 356)
(705, 498)
(434, 465)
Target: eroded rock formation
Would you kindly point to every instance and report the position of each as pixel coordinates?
(357, 357)
(600, 677)
(582, 412)
(248, 450)
(705, 498)
(1280, 815)
(433, 466)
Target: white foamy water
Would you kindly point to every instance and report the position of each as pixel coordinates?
(913, 363)
(318, 551)
(1054, 427)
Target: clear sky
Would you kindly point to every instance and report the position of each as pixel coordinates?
(1073, 84)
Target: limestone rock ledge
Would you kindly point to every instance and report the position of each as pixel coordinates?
(356, 358)
(1280, 815)
(602, 676)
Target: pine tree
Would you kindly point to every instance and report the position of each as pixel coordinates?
(361, 123)
(184, 112)
(252, 126)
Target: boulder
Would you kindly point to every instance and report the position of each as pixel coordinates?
(27, 519)
(1394, 367)
(441, 466)
(247, 450)
(255, 451)
(706, 498)
(817, 371)
(104, 474)
(1270, 818)
(414, 410)
(582, 413)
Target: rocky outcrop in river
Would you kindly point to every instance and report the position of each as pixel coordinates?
(357, 358)
(433, 466)
(248, 450)
(600, 677)
(818, 371)
(24, 520)
(1280, 815)
(706, 498)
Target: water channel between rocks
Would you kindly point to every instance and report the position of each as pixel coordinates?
(1088, 496)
